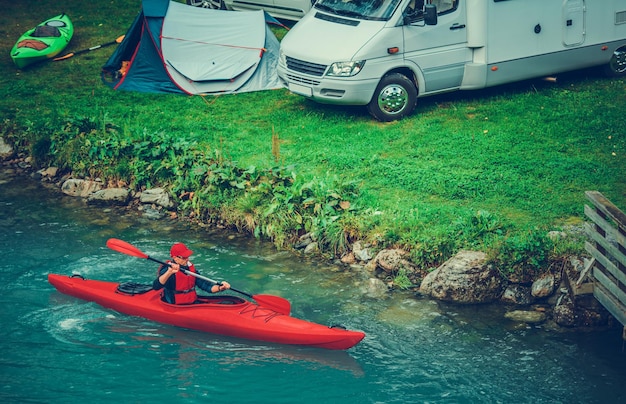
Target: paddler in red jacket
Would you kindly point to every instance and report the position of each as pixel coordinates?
(179, 288)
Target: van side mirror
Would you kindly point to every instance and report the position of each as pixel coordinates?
(430, 14)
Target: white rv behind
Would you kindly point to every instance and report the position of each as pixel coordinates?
(387, 53)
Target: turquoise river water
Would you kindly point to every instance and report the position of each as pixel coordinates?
(59, 349)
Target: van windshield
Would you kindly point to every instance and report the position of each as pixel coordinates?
(380, 10)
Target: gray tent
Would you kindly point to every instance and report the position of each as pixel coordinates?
(173, 47)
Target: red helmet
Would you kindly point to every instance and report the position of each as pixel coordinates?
(180, 250)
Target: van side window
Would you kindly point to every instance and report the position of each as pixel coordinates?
(415, 9)
(444, 6)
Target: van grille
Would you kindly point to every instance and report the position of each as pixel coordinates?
(302, 80)
(620, 17)
(305, 67)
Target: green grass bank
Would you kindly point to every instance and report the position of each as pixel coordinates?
(493, 170)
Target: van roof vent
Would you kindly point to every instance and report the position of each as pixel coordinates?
(338, 20)
(620, 17)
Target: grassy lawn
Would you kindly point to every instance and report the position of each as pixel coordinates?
(473, 169)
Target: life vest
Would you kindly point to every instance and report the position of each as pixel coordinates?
(185, 292)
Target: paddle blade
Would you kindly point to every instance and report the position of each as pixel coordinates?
(125, 248)
(69, 55)
(276, 303)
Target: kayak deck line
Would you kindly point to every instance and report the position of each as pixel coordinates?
(268, 315)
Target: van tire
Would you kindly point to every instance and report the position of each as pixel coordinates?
(214, 4)
(395, 97)
(617, 65)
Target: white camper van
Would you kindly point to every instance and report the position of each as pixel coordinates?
(387, 53)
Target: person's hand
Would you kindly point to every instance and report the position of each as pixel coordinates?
(174, 267)
(221, 287)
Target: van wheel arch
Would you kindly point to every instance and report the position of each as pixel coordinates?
(617, 65)
(395, 97)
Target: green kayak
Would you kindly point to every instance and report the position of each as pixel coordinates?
(43, 42)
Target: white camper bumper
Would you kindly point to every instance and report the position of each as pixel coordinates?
(326, 90)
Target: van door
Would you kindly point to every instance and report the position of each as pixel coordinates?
(573, 22)
(439, 51)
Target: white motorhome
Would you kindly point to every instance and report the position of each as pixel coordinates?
(387, 53)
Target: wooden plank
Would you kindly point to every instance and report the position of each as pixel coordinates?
(608, 265)
(606, 226)
(583, 289)
(585, 271)
(576, 289)
(607, 208)
(611, 251)
(608, 284)
(617, 310)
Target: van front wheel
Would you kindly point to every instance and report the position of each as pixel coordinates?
(617, 64)
(394, 98)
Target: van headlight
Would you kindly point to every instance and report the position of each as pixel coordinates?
(345, 69)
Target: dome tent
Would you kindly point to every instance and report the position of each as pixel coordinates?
(175, 48)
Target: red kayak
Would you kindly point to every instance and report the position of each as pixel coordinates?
(219, 314)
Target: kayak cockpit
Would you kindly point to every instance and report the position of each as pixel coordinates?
(133, 288)
(223, 299)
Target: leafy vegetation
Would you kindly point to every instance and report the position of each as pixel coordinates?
(493, 170)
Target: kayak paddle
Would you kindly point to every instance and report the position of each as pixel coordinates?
(276, 303)
(69, 55)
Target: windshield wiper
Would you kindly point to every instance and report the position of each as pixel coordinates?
(345, 13)
(349, 13)
(324, 7)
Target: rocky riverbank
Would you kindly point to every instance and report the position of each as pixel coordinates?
(561, 298)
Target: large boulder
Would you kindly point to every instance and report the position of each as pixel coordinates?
(393, 262)
(80, 188)
(565, 312)
(464, 278)
(361, 251)
(157, 196)
(518, 295)
(544, 286)
(526, 316)
(110, 196)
